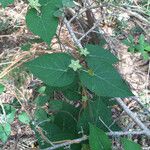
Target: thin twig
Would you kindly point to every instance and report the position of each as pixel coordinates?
(123, 133)
(76, 141)
(76, 41)
(94, 26)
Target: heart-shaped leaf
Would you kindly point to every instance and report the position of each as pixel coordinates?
(45, 23)
(53, 69)
(103, 79)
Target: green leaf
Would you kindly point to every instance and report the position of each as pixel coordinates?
(85, 147)
(97, 113)
(132, 49)
(109, 102)
(41, 115)
(26, 47)
(58, 131)
(24, 118)
(130, 42)
(131, 38)
(141, 40)
(140, 46)
(66, 118)
(130, 145)
(73, 92)
(2, 88)
(15, 103)
(98, 139)
(101, 54)
(66, 122)
(10, 113)
(42, 89)
(104, 80)
(127, 42)
(147, 47)
(145, 55)
(53, 69)
(68, 3)
(55, 105)
(45, 23)
(5, 130)
(52, 133)
(49, 91)
(41, 100)
(5, 3)
(59, 13)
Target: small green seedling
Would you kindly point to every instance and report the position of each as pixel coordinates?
(141, 46)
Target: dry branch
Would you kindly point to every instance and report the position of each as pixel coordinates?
(133, 116)
(76, 141)
(84, 138)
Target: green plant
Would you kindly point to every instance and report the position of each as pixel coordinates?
(1, 88)
(5, 3)
(88, 78)
(141, 46)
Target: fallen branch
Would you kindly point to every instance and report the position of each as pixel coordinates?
(84, 138)
(76, 141)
